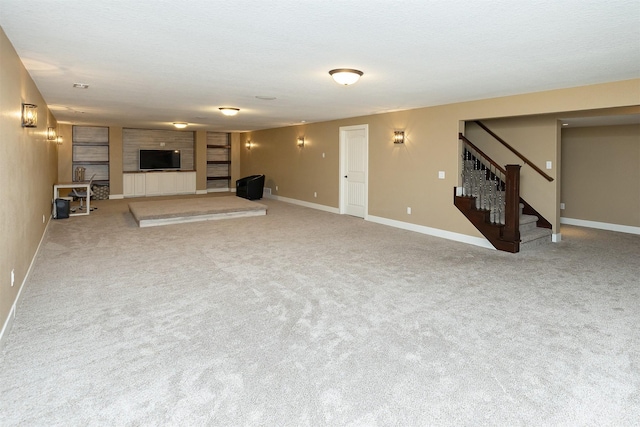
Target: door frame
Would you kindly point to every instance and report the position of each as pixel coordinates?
(343, 167)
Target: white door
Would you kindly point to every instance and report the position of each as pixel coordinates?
(354, 159)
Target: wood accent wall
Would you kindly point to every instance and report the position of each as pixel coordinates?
(133, 140)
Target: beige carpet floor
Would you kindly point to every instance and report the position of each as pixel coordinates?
(306, 318)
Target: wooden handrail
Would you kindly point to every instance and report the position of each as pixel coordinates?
(513, 150)
(479, 151)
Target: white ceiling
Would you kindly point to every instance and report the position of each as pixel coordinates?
(152, 62)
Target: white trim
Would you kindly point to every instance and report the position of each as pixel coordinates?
(601, 225)
(556, 237)
(305, 204)
(449, 235)
(195, 218)
(116, 196)
(8, 323)
(212, 190)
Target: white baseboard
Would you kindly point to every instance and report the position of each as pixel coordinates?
(8, 322)
(601, 225)
(317, 206)
(116, 196)
(436, 232)
(556, 237)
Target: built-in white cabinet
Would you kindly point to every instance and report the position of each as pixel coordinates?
(134, 185)
(186, 183)
(158, 183)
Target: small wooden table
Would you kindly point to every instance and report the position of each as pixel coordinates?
(59, 185)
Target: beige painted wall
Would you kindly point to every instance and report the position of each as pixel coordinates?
(407, 175)
(116, 162)
(200, 163)
(28, 170)
(601, 174)
(65, 167)
(235, 159)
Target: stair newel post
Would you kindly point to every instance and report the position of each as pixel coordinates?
(512, 208)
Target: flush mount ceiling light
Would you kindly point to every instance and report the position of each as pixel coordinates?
(81, 85)
(180, 125)
(229, 111)
(345, 76)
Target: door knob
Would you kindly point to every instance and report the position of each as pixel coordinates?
(345, 176)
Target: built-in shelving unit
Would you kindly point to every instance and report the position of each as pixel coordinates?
(218, 161)
(91, 151)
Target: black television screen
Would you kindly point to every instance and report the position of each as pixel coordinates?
(159, 159)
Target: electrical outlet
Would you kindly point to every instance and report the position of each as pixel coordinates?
(276, 188)
(323, 155)
(562, 206)
(408, 210)
(13, 277)
(440, 174)
(43, 219)
(315, 194)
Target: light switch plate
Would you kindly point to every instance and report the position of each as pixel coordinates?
(440, 174)
(548, 164)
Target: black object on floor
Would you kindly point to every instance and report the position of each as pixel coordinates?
(62, 209)
(250, 187)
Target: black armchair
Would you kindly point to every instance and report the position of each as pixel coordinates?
(250, 187)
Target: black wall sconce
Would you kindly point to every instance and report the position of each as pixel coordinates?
(398, 137)
(301, 141)
(29, 115)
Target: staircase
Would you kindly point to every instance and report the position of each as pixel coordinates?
(532, 235)
(490, 198)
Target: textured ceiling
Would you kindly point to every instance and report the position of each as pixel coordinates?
(151, 62)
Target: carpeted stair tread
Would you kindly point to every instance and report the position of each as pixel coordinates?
(537, 235)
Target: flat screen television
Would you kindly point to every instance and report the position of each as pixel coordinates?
(159, 159)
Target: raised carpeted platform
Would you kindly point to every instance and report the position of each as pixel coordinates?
(164, 212)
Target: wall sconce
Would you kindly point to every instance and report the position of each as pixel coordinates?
(398, 137)
(58, 140)
(29, 115)
(249, 145)
(51, 134)
(180, 125)
(301, 141)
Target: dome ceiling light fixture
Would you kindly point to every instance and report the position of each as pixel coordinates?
(345, 76)
(180, 125)
(229, 111)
